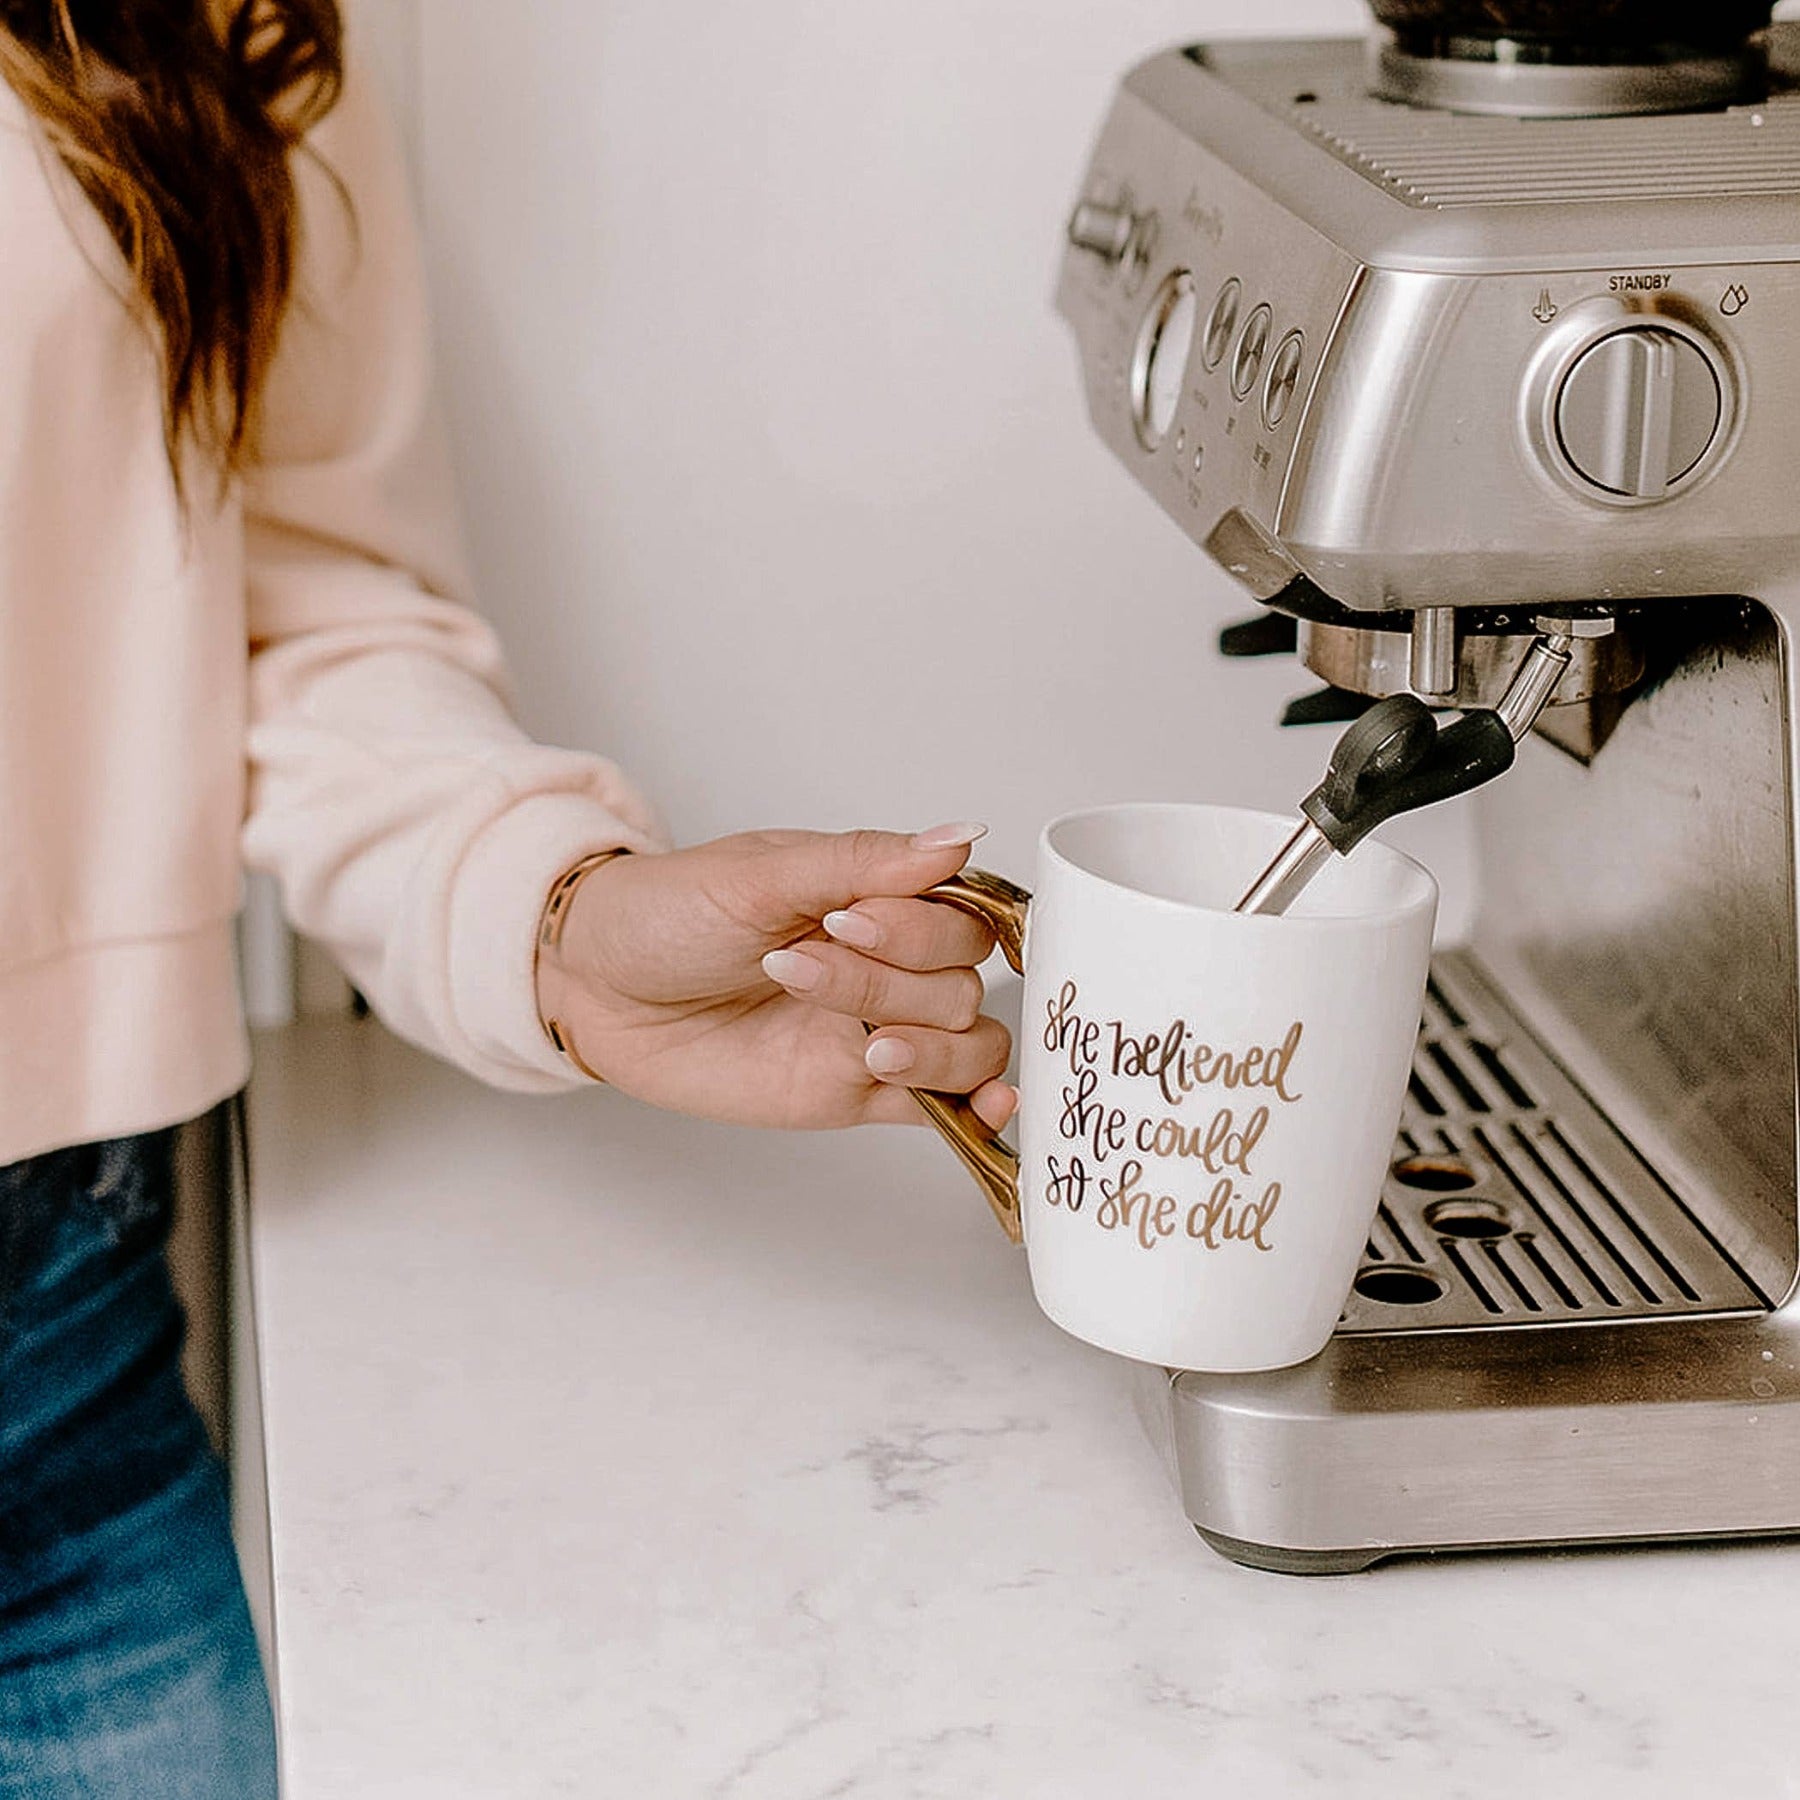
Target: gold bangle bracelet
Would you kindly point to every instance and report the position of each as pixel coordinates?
(549, 937)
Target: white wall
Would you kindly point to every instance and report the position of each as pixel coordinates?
(773, 452)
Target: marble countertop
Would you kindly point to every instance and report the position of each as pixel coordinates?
(613, 1454)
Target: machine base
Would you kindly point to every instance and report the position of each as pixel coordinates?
(1275, 1561)
(1458, 1442)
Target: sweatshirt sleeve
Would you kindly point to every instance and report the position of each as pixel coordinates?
(415, 830)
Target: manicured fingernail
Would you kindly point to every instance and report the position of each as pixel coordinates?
(889, 1056)
(948, 837)
(1001, 1106)
(852, 928)
(794, 969)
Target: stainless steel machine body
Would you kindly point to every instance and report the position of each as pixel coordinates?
(1409, 374)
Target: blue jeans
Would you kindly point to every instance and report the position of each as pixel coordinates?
(127, 1662)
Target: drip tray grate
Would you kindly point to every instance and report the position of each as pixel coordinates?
(1513, 1202)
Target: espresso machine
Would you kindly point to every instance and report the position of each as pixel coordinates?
(1487, 327)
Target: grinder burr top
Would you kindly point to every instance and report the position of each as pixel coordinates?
(1577, 27)
(1569, 57)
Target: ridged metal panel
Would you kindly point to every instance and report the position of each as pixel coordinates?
(1514, 1202)
(1440, 159)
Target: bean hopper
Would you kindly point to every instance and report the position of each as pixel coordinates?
(1485, 328)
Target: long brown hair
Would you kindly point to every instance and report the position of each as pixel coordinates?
(177, 118)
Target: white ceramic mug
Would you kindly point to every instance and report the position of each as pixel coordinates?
(1209, 1098)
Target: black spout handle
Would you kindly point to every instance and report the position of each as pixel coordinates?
(1267, 634)
(1394, 759)
(1326, 706)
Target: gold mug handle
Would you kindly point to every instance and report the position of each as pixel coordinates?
(981, 1150)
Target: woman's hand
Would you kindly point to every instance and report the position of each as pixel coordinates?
(732, 980)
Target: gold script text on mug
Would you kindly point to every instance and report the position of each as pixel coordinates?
(1175, 1059)
(1178, 1062)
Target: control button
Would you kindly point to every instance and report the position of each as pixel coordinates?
(1105, 230)
(1146, 238)
(1246, 362)
(1159, 363)
(1638, 410)
(1284, 377)
(1221, 322)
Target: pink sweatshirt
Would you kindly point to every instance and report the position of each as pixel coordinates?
(290, 676)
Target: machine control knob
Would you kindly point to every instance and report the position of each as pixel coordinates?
(1638, 409)
(1105, 230)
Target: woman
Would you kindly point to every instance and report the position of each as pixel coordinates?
(217, 435)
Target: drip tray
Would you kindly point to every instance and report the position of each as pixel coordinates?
(1512, 1201)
